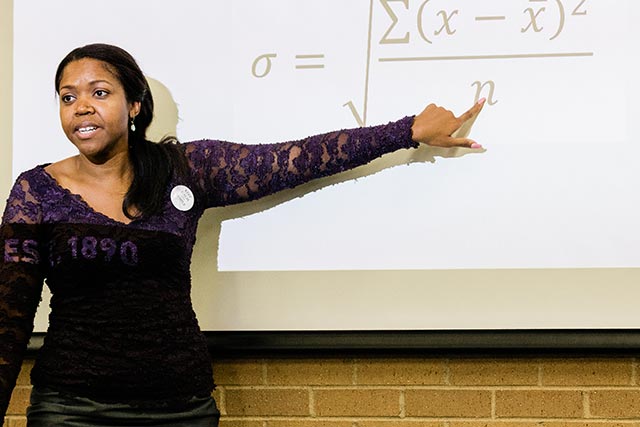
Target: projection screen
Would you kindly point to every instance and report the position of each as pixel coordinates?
(539, 230)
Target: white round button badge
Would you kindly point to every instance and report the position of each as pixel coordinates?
(182, 198)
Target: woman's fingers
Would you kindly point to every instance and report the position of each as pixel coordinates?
(439, 127)
(473, 111)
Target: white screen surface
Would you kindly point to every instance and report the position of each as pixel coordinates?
(555, 188)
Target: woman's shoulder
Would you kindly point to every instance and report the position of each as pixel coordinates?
(37, 181)
(32, 176)
(23, 203)
(34, 190)
(60, 169)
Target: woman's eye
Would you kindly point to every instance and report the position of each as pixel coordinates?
(66, 98)
(101, 93)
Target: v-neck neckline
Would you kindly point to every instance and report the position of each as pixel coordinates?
(80, 200)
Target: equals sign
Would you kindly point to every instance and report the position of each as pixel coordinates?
(308, 66)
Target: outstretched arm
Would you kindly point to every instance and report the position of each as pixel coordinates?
(229, 173)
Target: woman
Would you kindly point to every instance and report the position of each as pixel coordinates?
(112, 229)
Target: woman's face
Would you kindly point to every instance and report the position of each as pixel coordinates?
(94, 111)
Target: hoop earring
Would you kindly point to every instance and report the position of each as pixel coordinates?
(133, 126)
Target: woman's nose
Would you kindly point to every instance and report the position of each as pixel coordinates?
(83, 107)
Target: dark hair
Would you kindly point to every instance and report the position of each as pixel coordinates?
(153, 163)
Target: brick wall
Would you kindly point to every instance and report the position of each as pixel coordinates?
(417, 392)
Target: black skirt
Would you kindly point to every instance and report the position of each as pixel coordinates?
(50, 408)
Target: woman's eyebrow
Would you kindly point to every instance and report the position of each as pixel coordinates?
(91, 83)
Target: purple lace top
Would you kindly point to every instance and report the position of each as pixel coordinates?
(122, 327)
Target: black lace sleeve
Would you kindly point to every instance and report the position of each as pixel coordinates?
(21, 281)
(232, 173)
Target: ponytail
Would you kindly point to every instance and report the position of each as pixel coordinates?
(153, 166)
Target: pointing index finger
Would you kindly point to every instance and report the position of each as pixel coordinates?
(473, 111)
(468, 119)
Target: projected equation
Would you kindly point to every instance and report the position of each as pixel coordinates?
(401, 31)
(537, 17)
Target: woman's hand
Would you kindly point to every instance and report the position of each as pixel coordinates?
(435, 125)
